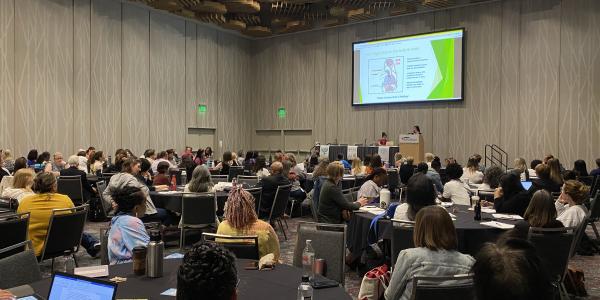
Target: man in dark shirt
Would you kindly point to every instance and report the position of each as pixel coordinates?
(72, 170)
(269, 188)
(596, 172)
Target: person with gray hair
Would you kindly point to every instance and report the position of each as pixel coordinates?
(73, 170)
(58, 163)
(201, 181)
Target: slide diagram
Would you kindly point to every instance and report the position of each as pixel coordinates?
(386, 75)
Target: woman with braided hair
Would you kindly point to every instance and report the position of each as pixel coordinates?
(241, 219)
(127, 231)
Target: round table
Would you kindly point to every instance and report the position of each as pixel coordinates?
(279, 283)
(172, 200)
(471, 234)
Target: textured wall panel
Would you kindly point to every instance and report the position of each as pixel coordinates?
(332, 89)
(167, 81)
(7, 69)
(82, 116)
(44, 75)
(136, 79)
(579, 114)
(106, 75)
(207, 64)
(191, 86)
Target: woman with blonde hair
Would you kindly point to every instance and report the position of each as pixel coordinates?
(21, 187)
(569, 206)
(540, 213)
(555, 173)
(241, 220)
(520, 169)
(471, 172)
(357, 167)
(8, 160)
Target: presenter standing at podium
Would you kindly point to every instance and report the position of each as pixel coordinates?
(383, 140)
(416, 130)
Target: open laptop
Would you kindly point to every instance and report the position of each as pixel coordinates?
(68, 286)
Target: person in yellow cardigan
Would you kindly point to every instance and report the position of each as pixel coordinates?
(40, 206)
(241, 219)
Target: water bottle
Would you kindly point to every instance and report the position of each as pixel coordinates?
(183, 177)
(305, 291)
(308, 259)
(69, 263)
(154, 259)
(384, 198)
(477, 209)
(173, 183)
(109, 161)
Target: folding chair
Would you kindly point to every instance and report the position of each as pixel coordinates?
(64, 233)
(244, 247)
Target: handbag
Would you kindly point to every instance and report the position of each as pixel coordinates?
(575, 282)
(374, 283)
(346, 215)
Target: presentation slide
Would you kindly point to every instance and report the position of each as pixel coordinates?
(425, 67)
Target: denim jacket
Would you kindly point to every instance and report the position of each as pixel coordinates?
(424, 262)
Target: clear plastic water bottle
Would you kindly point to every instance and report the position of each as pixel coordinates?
(305, 291)
(183, 177)
(308, 259)
(69, 263)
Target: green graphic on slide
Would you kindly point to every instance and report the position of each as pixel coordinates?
(444, 53)
(360, 96)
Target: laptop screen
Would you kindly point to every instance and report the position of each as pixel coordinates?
(66, 286)
(526, 184)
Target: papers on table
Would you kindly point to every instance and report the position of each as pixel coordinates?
(496, 224)
(488, 210)
(222, 185)
(92, 272)
(507, 217)
(169, 192)
(170, 292)
(372, 209)
(174, 255)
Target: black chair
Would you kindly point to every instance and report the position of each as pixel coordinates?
(402, 237)
(595, 214)
(106, 177)
(64, 233)
(20, 268)
(8, 205)
(595, 186)
(198, 210)
(234, 172)
(393, 181)
(587, 180)
(244, 247)
(257, 194)
(280, 203)
(348, 182)
(71, 186)
(251, 181)
(456, 287)
(218, 178)
(14, 229)
(177, 174)
(553, 246)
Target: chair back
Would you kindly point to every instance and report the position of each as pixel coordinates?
(198, 209)
(218, 178)
(348, 183)
(71, 186)
(64, 231)
(244, 247)
(7, 182)
(595, 186)
(257, 194)
(234, 172)
(360, 180)
(249, 180)
(14, 229)
(106, 176)
(587, 180)
(579, 232)
(314, 209)
(329, 243)
(553, 245)
(595, 208)
(393, 179)
(456, 287)
(101, 186)
(402, 237)
(20, 268)
(280, 202)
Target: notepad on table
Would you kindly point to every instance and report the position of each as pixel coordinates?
(92, 272)
(507, 217)
(498, 225)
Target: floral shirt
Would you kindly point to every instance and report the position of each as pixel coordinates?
(126, 232)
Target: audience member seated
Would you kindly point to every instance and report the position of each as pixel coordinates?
(126, 178)
(269, 186)
(422, 168)
(200, 182)
(120, 157)
(407, 169)
(332, 202)
(569, 206)
(97, 163)
(43, 162)
(419, 193)
(543, 182)
(376, 162)
(449, 160)
(20, 163)
(372, 186)
(73, 170)
(150, 155)
(434, 174)
(398, 160)
(580, 168)
(40, 206)
(345, 163)
(187, 163)
(429, 158)
(511, 197)
(510, 269)
(357, 167)
(491, 178)
(32, 157)
(241, 219)
(127, 231)
(260, 168)
(83, 160)
(145, 177)
(540, 213)
(8, 161)
(520, 169)
(162, 176)
(471, 173)
(569, 175)
(534, 163)
(435, 253)
(313, 161)
(21, 186)
(161, 157)
(58, 162)
(596, 171)
(455, 190)
(223, 167)
(296, 175)
(171, 155)
(208, 272)
(319, 177)
(3, 171)
(555, 171)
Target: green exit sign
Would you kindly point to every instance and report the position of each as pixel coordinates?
(202, 108)
(281, 112)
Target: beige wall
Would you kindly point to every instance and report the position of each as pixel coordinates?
(75, 73)
(532, 69)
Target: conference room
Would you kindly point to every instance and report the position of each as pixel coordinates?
(299, 149)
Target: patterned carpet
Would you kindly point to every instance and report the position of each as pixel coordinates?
(589, 264)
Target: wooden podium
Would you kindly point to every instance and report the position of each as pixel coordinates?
(412, 145)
